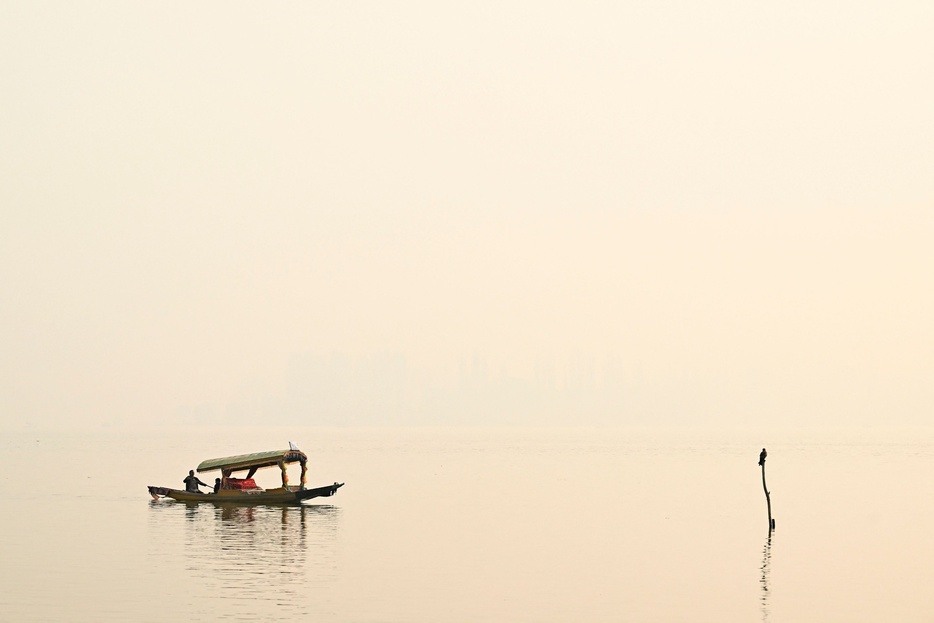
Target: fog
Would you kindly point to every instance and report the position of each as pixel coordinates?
(375, 213)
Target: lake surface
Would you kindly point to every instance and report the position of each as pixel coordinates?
(474, 525)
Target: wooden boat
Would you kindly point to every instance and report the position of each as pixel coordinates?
(245, 490)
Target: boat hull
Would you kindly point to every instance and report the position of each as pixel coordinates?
(261, 496)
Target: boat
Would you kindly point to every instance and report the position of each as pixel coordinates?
(233, 490)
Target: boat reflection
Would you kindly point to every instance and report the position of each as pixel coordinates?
(253, 557)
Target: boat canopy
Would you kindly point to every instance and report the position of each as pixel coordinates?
(254, 461)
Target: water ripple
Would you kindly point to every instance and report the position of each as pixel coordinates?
(251, 562)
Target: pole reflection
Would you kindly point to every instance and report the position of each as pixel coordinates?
(764, 578)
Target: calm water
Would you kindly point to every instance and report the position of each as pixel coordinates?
(474, 525)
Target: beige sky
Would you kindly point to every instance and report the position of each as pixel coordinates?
(378, 212)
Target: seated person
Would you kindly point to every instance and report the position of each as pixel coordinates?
(192, 482)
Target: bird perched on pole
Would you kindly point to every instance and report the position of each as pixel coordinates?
(762, 456)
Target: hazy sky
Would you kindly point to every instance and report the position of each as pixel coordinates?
(436, 212)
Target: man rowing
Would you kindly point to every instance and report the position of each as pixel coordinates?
(192, 482)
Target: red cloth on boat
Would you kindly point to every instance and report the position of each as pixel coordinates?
(241, 483)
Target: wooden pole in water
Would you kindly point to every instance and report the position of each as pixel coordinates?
(768, 500)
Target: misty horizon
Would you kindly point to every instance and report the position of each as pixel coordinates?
(489, 214)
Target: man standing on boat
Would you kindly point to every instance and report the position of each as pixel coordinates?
(191, 482)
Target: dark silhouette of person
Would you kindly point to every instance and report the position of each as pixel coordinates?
(192, 482)
(217, 485)
(762, 456)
